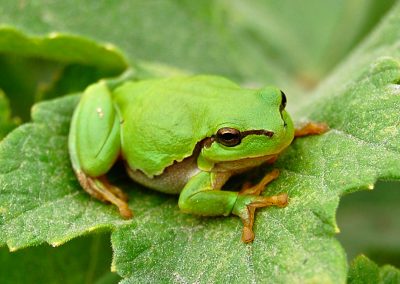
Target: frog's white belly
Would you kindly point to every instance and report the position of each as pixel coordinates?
(172, 180)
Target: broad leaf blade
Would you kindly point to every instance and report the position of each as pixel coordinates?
(35, 67)
(292, 35)
(61, 48)
(253, 41)
(294, 244)
(144, 31)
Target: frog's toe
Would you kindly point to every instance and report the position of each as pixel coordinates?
(258, 188)
(280, 200)
(102, 190)
(110, 194)
(311, 128)
(247, 235)
(114, 189)
(246, 206)
(124, 211)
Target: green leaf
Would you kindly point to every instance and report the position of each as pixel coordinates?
(291, 35)
(62, 48)
(142, 30)
(290, 242)
(279, 48)
(364, 271)
(84, 260)
(252, 41)
(34, 68)
(40, 200)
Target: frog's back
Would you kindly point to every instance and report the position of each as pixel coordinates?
(166, 118)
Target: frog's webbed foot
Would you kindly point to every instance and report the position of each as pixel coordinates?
(101, 189)
(311, 128)
(249, 200)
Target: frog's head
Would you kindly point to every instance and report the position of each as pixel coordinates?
(252, 127)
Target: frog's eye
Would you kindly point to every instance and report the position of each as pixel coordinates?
(283, 101)
(229, 136)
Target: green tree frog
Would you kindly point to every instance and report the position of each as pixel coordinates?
(183, 135)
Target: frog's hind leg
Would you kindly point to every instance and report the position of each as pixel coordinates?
(94, 145)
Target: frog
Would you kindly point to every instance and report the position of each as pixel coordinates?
(184, 135)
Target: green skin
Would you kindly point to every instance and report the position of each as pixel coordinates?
(168, 127)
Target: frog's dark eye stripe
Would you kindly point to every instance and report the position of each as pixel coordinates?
(258, 132)
(283, 101)
(229, 136)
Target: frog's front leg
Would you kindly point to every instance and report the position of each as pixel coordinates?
(94, 145)
(202, 196)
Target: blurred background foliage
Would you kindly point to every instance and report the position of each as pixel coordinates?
(370, 225)
(293, 44)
